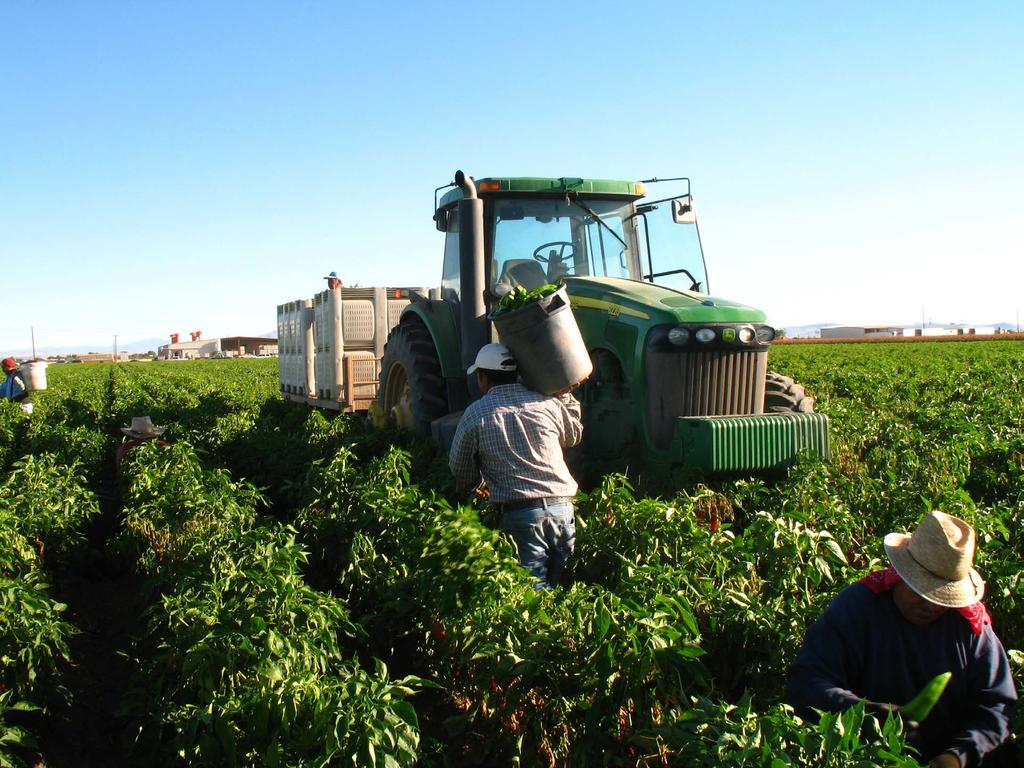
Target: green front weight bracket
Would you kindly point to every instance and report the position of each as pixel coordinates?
(739, 443)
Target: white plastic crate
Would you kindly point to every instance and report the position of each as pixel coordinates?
(294, 321)
(328, 346)
(347, 330)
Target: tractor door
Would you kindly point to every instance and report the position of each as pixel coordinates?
(669, 241)
(451, 288)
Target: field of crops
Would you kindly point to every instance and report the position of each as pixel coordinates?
(277, 586)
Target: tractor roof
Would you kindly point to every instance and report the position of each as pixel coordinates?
(531, 185)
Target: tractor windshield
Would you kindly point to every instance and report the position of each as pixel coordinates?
(541, 240)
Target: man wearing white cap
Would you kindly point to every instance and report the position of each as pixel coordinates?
(333, 281)
(885, 637)
(513, 437)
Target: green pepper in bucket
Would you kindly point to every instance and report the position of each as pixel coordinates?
(519, 297)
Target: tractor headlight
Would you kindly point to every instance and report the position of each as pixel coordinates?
(745, 334)
(765, 334)
(705, 335)
(679, 335)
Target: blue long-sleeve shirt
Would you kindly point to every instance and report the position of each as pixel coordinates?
(13, 387)
(863, 648)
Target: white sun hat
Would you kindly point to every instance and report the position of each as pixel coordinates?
(142, 427)
(936, 560)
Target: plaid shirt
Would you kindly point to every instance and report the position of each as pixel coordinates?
(514, 438)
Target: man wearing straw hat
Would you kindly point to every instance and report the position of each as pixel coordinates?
(141, 431)
(882, 639)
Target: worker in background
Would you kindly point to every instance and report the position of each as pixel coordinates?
(513, 438)
(141, 431)
(333, 281)
(884, 638)
(14, 388)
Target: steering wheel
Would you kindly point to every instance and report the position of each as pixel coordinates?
(559, 257)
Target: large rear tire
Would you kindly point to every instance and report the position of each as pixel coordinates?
(412, 391)
(783, 395)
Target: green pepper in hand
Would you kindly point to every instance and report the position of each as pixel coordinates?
(919, 707)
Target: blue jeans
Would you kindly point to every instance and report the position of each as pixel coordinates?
(545, 538)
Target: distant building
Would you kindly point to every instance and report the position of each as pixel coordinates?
(860, 331)
(97, 357)
(864, 331)
(229, 346)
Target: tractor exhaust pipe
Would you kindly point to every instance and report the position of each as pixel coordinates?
(472, 308)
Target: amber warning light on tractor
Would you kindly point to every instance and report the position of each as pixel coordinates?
(490, 186)
(640, 189)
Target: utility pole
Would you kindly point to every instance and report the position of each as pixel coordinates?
(32, 328)
(115, 348)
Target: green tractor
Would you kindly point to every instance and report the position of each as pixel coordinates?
(680, 377)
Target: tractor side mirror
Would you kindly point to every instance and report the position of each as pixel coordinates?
(441, 220)
(682, 211)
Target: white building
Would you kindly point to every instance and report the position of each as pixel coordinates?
(860, 331)
(228, 346)
(865, 331)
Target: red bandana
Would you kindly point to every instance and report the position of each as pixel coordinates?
(883, 581)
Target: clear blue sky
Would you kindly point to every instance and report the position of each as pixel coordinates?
(180, 165)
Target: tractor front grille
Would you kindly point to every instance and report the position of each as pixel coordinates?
(701, 382)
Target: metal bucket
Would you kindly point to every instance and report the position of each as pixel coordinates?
(546, 343)
(34, 375)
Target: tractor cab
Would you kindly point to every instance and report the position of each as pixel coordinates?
(538, 231)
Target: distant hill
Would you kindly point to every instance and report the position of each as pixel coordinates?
(132, 347)
(142, 345)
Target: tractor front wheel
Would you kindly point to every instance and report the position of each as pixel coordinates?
(783, 395)
(411, 392)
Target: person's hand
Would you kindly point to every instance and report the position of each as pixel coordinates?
(945, 760)
(481, 491)
(880, 706)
